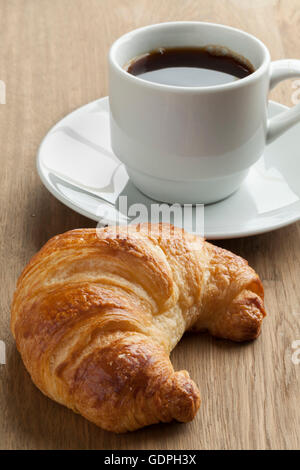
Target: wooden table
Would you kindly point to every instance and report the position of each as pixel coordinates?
(53, 60)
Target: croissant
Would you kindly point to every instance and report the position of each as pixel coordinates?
(96, 314)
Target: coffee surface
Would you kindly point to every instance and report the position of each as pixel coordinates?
(190, 67)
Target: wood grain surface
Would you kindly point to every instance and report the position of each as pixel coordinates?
(53, 60)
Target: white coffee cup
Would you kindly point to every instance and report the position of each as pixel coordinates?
(193, 144)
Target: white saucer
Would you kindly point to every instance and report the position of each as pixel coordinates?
(76, 164)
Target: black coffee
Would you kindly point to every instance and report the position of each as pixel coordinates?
(190, 66)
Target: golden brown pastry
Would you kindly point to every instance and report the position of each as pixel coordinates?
(96, 315)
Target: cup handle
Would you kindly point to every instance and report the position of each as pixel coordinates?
(281, 70)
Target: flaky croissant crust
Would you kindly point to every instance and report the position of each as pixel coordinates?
(95, 316)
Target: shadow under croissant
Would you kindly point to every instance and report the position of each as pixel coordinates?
(44, 424)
